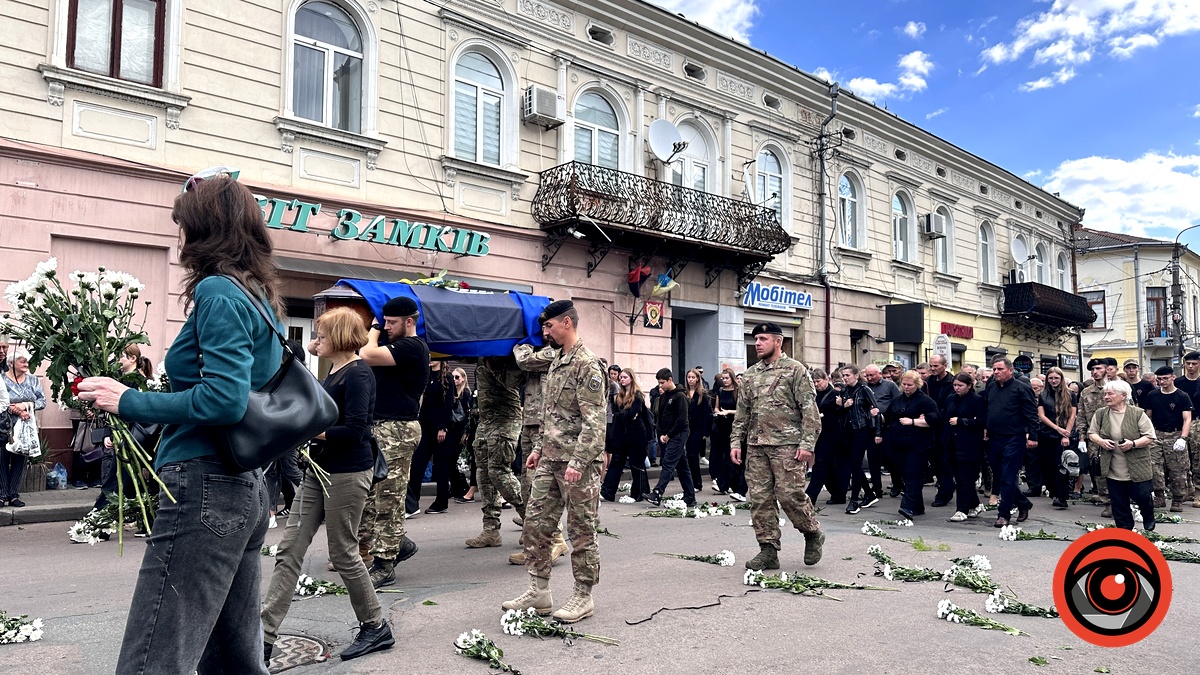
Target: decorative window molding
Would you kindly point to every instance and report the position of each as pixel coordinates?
(737, 87)
(772, 101)
(695, 71)
(986, 213)
(602, 35)
(770, 131)
(947, 278)
(907, 266)
(292, 128)
(508, 96)
(901, 179)
(660, 57)
(58, 80)
(854, 253)
(943, 195)
(549, 14)
(452, 166)
(859, 162)
(450, 16)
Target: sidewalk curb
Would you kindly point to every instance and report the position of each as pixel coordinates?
(51, 513)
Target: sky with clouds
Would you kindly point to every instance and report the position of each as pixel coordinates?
(1098, 100)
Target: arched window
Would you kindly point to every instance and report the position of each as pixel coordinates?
(768, 182)
(478, 104)
(691, 168)
(1039, 264)
(327, 67)
(987, 253)
(597, 132)
(849, 211)
(902, 228)
(943, 248)
(1061, 278)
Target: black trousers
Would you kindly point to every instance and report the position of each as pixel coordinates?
(824, 472)
(914, 459)
(968, 462)
(942, 459)
(856, 443)
(635, 457)
(1122, 492)
(695, 448)
(1050, 450)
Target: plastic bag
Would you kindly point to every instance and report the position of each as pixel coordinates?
(56, 478)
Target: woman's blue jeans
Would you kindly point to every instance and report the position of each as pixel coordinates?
(196, 604)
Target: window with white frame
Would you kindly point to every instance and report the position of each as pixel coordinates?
(1039, 263)
(1061, 278)
(768, 182)
(1095, 300)
(690, 169)
(903, 233)
(478, 103)
(122, 39)
(327, 67)
(597, 132)
(943, 248)
(850, 210)
(987, 253)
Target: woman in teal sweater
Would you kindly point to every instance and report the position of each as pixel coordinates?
(195, 607)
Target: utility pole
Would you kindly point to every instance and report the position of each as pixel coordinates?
(1177, 302)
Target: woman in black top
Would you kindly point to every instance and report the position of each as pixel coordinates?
(729, 477)
(437, 404)
(912, 439)
(965, 416)
(631, 432)
(699, 423)
(346, 455)
(823, 471)
(1056, 435)
(460, 413)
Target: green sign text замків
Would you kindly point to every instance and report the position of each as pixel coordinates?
(391, 231)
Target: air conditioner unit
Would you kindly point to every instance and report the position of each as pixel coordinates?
(543, 106)
(935, 225)
(1017, 276)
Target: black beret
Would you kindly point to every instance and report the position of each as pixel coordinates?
(767, 328)
(1164, 370)
(1095, 362)
(401, 305)
(556, 309)
(1192, 356)
(1110, 361)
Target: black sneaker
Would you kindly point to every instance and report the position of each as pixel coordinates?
(835, 502)
(870, 501)
(284, 513)
(939, 502)
(1058, 503)
(464, 500)
(435, 510)
(408, 548)
(853, 507)
(906, 513)
(16, 503)
(369, 640)
(893, 491)
(654, 497)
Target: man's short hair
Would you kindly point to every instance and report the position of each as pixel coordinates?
(869, 366)
(850, 367)
(1002, 359)
(921, 365)
(1164, 370)
(663, 374)
(940, 358)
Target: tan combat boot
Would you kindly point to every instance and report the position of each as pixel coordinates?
(517, 558)
(537, 597)
(578, 607)
(767, 559)
(486, 539)
(558, 548)
(813, 542)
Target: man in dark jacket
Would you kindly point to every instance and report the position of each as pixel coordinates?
(1012, 424)
(672, 430)
(940, 387)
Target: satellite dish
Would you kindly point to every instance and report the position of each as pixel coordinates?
(665, 140)
(1020, 251)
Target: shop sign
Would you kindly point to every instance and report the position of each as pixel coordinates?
(1023, 364)
(378, 229)
(1068, 361)
(775, 297)
(955, 330)
(941, 345)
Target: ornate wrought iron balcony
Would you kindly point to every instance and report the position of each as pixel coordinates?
(649, 217)
(1045, 313)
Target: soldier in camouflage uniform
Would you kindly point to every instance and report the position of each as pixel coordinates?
(567, 476)
(1091, 399)
(1190, 384)
(498, 396)
(1170, 410)
(535, 363)
(401, 369)
(777, 418)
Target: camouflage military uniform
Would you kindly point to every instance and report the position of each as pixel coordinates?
(1170, 466)
(499, 400)
(535, 363)
(1091, 399)
(381, 529)
(572, 437)
(776, 414)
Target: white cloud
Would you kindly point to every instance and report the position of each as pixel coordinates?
(1030, 175)
(1071, 31)
(872, 89)
(1153, 192)
(734, 18)
(914, 68)
(935, 113)
(914, 29)
(1060, 76)
(1196, 112)
(823, 73)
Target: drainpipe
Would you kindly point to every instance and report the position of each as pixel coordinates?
(822, 275)
(1075, 290)
(1137, 307)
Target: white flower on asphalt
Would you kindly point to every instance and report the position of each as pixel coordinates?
(727, 559)
(626, 499)
(1009, 532)
(887, 572)
(873, 549)
(752, 577)
(906, 522)
(996, 602)
(674, 503)
(980, 563)
(783, 576)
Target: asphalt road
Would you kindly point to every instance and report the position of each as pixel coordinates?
(82, 593)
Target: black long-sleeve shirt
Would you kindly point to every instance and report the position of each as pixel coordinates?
(911, 436)
(858, 416)
(971, 411)
(700, 416)
(1011, 408)
(347, 446)
(672, 413)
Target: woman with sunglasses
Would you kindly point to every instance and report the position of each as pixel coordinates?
(195, 607)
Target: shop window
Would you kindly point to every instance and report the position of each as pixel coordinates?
(987, 253)
(122, 39)
(903, 229)
(327, 67)
(1095, 300)
(479, 94)
(597, 132)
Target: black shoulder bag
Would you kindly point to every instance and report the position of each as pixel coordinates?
(289, 410)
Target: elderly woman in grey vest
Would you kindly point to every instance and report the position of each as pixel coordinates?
(1124, 434)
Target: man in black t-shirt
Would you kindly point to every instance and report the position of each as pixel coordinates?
(1171, 412)
(1190, 385)
(401, 368)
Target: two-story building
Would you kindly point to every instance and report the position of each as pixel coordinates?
(526, 145)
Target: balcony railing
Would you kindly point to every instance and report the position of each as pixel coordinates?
(578, 193)
(1046, 305)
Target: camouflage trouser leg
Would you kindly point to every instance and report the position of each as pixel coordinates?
(1176, 466)
(551, 494)
(382, 524)
(494, 456)
(531, 434)
(773, 473)
(1098, 478)
(1194, 451)
(1158, 451)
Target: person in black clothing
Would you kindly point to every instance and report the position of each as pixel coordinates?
(654, 450)
(940, 387)
(1012, 425)
(1056, 409)
(860, 423)
(730, 477)
(437, 406)
(964, 415)
(632, 429)
(1170, 411)
(911, 436)
(1139, 386)
(699, 424)
(824, 474)
(672, 429)
(460, 414)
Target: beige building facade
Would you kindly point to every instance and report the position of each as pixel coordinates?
(515, 136)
